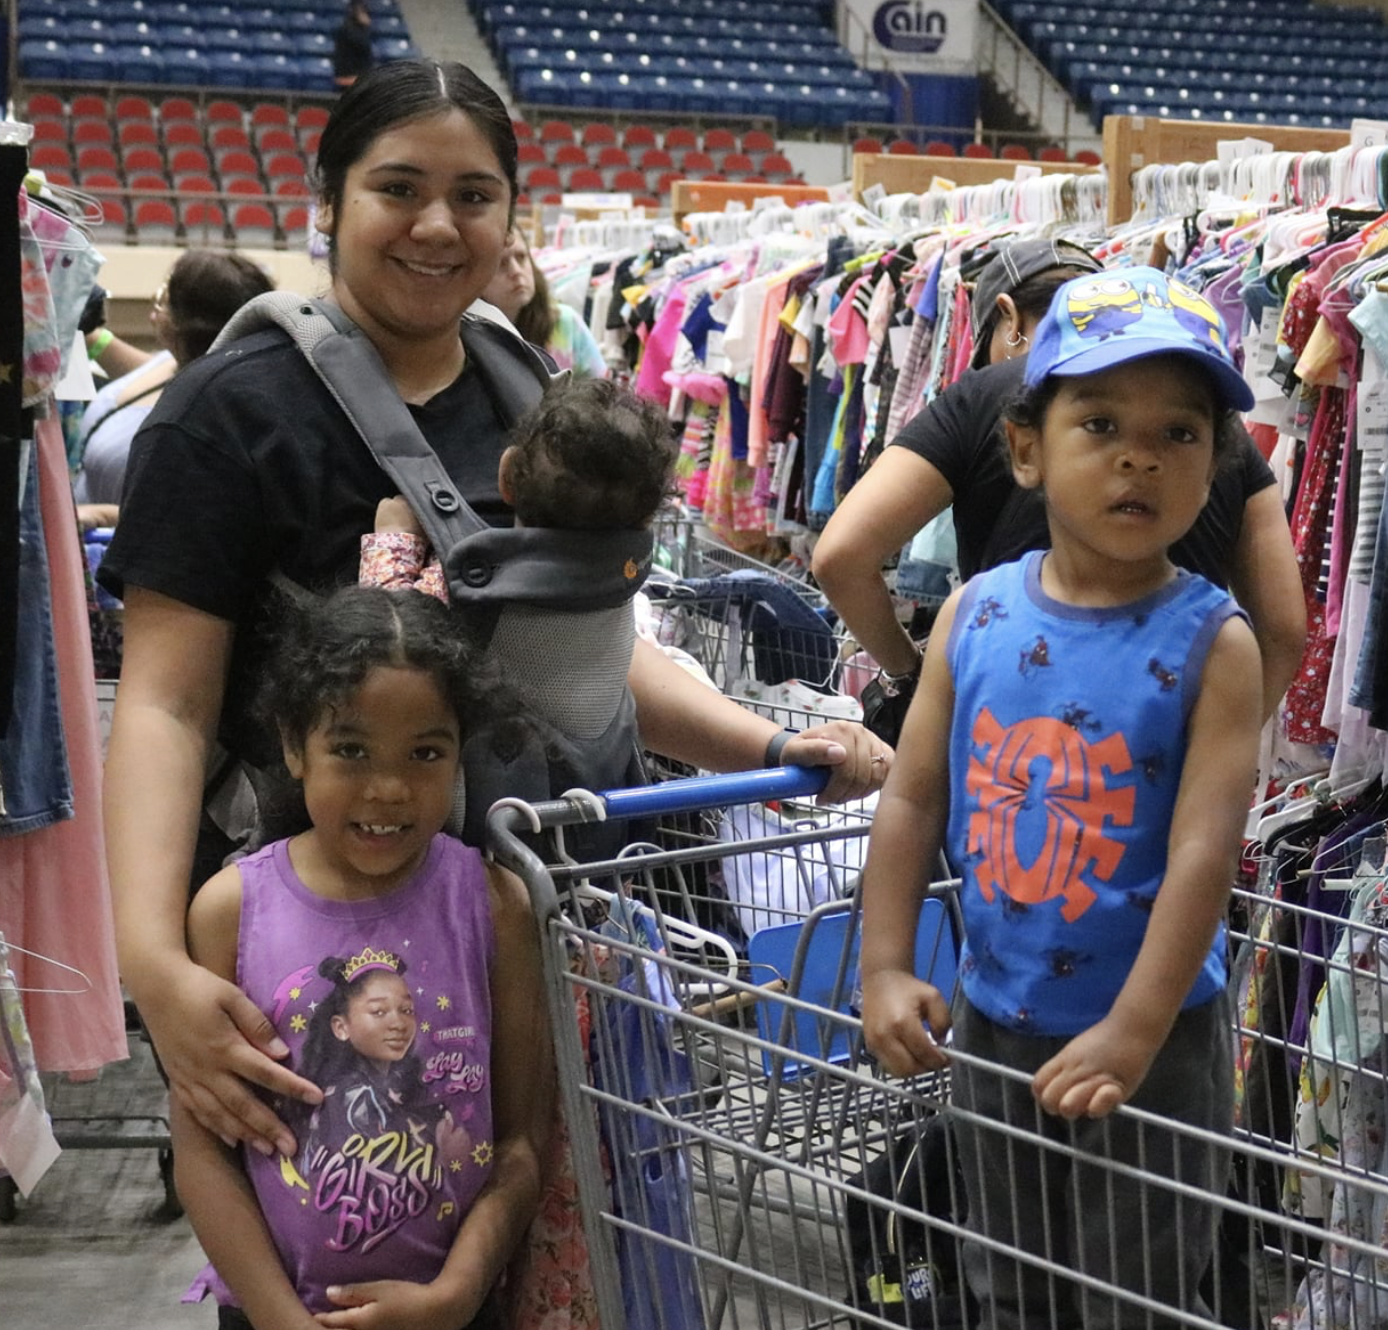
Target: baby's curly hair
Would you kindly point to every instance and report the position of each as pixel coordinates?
(325, 647)
(591, 455)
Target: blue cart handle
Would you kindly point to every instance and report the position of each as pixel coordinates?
(696, 792)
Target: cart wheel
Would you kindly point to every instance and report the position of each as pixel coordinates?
(173, 1207)
(9, 1192)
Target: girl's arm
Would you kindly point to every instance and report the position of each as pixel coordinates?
(897, 496)
(683, 718)
(214, 1189)
(523, 1085)
(903, 848)
(210, 1036)
(1101, 1068)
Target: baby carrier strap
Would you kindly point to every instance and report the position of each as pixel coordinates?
(351, 369)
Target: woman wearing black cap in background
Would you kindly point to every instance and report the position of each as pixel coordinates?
(952, 452)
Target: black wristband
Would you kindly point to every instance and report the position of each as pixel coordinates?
(776, 746)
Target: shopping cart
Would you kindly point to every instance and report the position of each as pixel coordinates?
(742, 1163)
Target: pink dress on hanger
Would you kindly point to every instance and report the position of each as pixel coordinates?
(54, 894)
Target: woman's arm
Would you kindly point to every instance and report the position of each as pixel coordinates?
(115, 356)
(210, 1036)
(1267, 584)
(1101, 1068)
(221, 1204)
(683, 718)
(523, 1086)
(907, 834)
(900, 493)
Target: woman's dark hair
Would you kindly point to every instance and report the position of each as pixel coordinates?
(205, 288)
(537, 317)
(1028, 409)
(590, 455)
(396, 93)
(327, 646)
(1032, 299)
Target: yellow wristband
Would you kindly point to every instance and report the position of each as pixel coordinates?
(101, 339)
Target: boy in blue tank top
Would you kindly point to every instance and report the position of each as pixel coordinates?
(1082, 746)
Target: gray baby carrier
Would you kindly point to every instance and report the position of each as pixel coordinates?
(552, 608)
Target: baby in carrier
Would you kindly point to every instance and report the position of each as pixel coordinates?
(555, 619)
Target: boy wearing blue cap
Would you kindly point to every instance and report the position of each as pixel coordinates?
(1083, 744)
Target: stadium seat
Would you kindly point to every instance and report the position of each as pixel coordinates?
(980, 150)
(253, 225)
(939, 148)
(176, 108)
(718, 141)
(596, 134)
(202, 220)
(148, 182)
(49, 130)
(50, 156)
(567, 156)
(131, 107)
(1088, 157)
(757, 141)
(285, 164)
(776, 166)
(611, 157)
(132, 132)
(586, 180)
(193, 182)
(656, 159)
(184, 160)
(540, 178)
(141, 158)
(100, 182)
(236, 162)
(629, 181)
(89, 106)
(92, 131)
(679, 138)
(293, 220)
(45, 104)
(156, 222)
(246, 186)
(96, 157)
(638, 136)
(1051, 153)
(1015, 152)
(736, 164)
(275, 139)
(115, 219)
(222, 111)
(902, 148)
(556, 131)
(228, 137)
(289, 187)
(182, 134)
(308, 119)
(696, 163)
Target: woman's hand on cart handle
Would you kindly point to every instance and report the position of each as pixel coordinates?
(212, 1041)
(857, 759)
(904, 1019)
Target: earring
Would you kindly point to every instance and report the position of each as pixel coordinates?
(1014, 340)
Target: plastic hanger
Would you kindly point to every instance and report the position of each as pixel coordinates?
(7, 947)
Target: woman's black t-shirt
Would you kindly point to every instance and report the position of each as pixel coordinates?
(248, 467)
(996, 521)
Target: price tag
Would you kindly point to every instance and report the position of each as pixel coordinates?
(1364, 133)
(900, 339)
(1371, 419)
(874, 194)
(1026, 171)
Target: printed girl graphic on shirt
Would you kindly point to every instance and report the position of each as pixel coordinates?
(382, 1149)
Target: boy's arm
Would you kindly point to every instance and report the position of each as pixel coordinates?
(1101, 1068)
(903, 848)
(523, 1084)
(214, 1189)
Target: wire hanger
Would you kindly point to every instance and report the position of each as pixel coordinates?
(7, 947)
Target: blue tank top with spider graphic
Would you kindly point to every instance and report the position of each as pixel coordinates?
(1066, 749)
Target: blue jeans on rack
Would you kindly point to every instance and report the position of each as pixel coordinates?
(34, 776)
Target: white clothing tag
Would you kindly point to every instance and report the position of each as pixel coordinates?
(1371, 417)
(77, 385)
(900, 340)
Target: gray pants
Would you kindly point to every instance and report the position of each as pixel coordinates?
(1078, 1213)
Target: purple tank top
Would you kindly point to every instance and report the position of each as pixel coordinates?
(392, 1161)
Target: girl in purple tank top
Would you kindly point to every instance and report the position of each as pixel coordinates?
(402, 974)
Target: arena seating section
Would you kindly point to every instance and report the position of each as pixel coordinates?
(286, 45)
(1285, 62)
(773, 58)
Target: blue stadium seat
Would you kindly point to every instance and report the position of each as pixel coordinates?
(43, 60)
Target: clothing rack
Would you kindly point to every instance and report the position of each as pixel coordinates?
(914, 174)
(688, 196)
(1134, 141)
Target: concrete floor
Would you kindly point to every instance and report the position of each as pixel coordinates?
(93, 1245)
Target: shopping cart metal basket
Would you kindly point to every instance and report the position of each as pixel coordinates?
(742, 1163)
